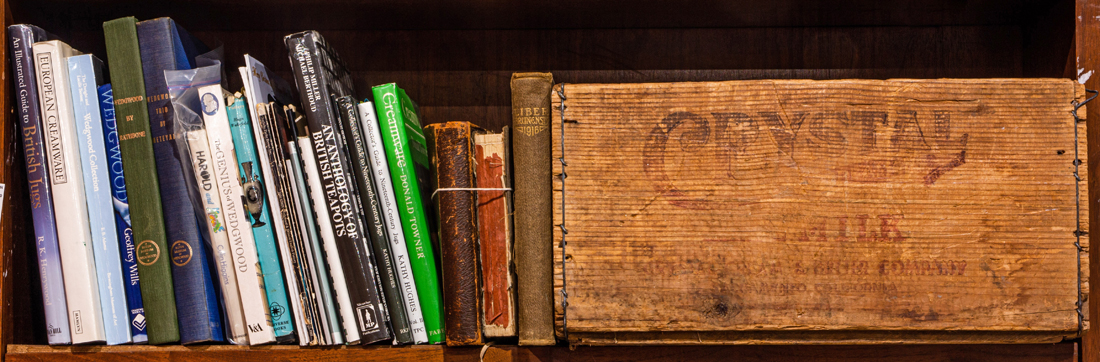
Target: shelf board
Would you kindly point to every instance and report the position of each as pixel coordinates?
(1059, 352)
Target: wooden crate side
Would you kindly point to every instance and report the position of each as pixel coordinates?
(924, 205)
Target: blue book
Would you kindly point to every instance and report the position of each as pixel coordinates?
(259, 214)
(166, 46)
(122, 216)
(85, 75)
(20, 39)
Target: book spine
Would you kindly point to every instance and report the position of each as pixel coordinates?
(451, 148)
(147, 218)
(340, 200)
(376, 224)
(259, 215)
(195, 295)
(85, 74)
(534, 224)
(121, 206)
(290, 238)
(414, 221)
(48, 255)
(326, 303)
(77, 261)
(392, 222)
(377, 311)
(203, 172)
(335, 267)
(494, 224)
(246, 262)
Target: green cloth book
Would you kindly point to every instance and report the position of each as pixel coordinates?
(146, 215)
(403, 139)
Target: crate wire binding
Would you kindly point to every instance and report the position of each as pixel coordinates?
(1078, 233)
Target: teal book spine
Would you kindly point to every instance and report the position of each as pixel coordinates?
(259, 214)
(407, 153)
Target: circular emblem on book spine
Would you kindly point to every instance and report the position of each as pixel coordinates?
(209, 103)
(181, 253)
(148, 252)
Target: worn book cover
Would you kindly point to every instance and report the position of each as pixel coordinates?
(493, 175)
(534, 226)
(842, 211)
(451, 146)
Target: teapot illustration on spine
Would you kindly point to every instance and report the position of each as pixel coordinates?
(253, 194)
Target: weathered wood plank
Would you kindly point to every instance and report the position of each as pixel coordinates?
(946, 207)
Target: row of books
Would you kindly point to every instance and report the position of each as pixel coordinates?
(168, 209)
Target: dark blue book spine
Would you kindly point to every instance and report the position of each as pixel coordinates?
(122, 216)
(20, 39)
(196, 299)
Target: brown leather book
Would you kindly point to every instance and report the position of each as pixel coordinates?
(451, 146)
(534, 216)
(494, 224)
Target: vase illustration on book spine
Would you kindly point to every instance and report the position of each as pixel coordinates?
(534, 216)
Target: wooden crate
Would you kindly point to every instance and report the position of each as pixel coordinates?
(847, 211)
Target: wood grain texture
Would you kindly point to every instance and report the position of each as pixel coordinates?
(819, 208)
(1061, 352)
(1086, 63)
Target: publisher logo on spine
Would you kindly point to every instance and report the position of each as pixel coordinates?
(209, 103)
(181, 253)
(148, 252)
(367, 322)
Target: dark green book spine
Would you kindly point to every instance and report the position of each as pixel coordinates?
(146, 215)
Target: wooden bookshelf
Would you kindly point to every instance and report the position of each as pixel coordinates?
(455, 59)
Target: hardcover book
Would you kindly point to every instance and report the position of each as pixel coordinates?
(259, 215)
(372, 313)
(534, 226)
(391, 216)
(165, 46)
(70, 206)
(125, 233)
(451, 146)
(21, 38)
(407, 155)
(202, 170)
(246, 262)
(143, 189)
(321, 76)
(803, 211)
(493, 174)
(85, 75)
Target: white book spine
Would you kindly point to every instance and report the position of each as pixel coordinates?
(386, 196)
(70, 205)
(276, 209)
(246, 262)
(200, 154)
(335, 268)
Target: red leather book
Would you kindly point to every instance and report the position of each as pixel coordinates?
(494, 224)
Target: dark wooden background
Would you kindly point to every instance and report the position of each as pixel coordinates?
(455, 59)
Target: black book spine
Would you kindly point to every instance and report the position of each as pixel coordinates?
(320, 78)
(372, 217)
